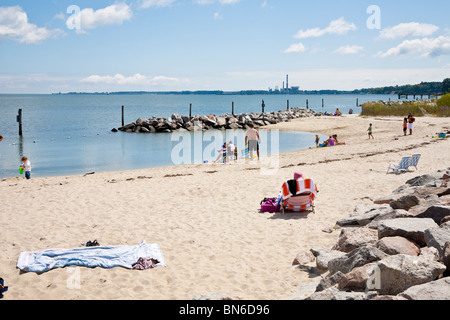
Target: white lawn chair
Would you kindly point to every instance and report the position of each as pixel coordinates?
(403, 165)
(414, 160)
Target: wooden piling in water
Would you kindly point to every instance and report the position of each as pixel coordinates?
(263, 106)
(19, 120)
(190, 112)
(123, 116)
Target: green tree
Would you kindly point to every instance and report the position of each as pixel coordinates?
(444, 101)
(446, 86)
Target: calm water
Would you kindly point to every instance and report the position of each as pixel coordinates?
(71, 134)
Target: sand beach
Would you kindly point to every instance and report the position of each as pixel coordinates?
(206, 218)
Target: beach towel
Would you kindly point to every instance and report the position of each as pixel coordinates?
(91, 257)
(295, 187)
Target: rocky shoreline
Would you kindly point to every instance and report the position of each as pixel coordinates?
(177, 123)
(398, 248)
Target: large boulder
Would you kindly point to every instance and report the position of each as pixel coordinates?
(437, 237)
(304, 257)
(333, 293)
(410, 228)
(323, 256)
(350, 239)
(424, 180)
(389, 214)
(405, 202)
(446, 257)
(436, 212)
(397, 245)
(356, 280)
(434, 290)
(399, 272)
(355, 258)
(329, 281)
(360, 218)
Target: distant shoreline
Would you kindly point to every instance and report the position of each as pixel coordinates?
(224, 93)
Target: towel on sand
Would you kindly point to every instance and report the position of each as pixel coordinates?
(91, 257)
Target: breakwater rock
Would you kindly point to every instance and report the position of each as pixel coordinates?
(213, 122)
(386, 251)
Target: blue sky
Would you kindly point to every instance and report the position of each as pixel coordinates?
(220, 44)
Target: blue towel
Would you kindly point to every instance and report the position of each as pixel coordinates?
(91, 257)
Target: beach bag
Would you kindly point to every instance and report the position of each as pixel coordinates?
(270, 205)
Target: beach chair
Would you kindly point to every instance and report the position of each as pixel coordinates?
(415, 160)
(403, 165)
(298, 196)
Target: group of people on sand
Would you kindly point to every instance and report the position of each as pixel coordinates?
(229, 152)
(330, 142)
(337, 113)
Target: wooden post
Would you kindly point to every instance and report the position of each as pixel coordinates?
(288, 105)
(357, 102)
(123, 116)
(19, 120)
(322, 103)
(263, 106)
(232, 108)
(307, 104)
(190, 112)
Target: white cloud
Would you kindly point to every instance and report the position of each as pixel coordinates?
(218, 16)
(406, 30)
(428, 47)
(349, 50)
(339, 27)
(136, 79)
(14, 25)
(115, 14)
(155, 3)
(295, 48)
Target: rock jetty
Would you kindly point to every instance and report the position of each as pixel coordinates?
(397, 248)
(212, 122)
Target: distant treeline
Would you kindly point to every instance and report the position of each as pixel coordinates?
(422, 88)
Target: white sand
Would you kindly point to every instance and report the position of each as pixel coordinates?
(208, 225)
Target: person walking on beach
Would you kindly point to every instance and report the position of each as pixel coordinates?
(26, 167)
(317, 140)
(253, 139)
(370, 130)
(411, 121)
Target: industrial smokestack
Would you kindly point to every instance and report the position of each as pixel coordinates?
(287, 81)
